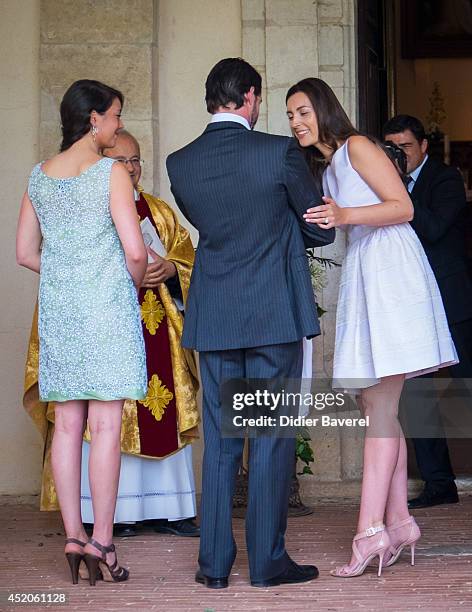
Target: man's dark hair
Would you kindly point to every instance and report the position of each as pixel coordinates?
(228, 81)
(79, 101)
(400, 123)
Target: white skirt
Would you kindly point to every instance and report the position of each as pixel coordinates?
(390, 317)
(148, 488)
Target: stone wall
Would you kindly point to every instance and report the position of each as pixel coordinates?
(193, 35)
(155, 51)
(110, 41)
(288, 41)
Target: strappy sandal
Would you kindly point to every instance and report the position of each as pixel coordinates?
(111, 573)
(77, 563)
(379, 546)
(411, 535)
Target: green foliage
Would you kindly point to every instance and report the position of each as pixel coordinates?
(318, 265)
(326, 262)
(303, 451)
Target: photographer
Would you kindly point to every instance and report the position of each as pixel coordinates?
(439, 201)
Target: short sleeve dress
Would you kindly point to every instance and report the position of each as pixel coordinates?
(90, 334)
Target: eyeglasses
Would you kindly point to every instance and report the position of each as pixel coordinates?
(135, 161)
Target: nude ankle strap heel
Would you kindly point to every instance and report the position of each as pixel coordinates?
(412, 535)
(378, 549)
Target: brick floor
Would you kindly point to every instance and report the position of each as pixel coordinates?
(162, 567)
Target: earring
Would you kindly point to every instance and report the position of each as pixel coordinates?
(94, 132)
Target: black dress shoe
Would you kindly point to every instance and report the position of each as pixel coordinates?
(211, 583)
(293, 574)
(123, 530)
(430, 498)
(186, 527)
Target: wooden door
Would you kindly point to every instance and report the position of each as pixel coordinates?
(376, 103)
(375, 31)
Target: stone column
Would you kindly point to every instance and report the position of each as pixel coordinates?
(254, 47)
(288, 41)
(20, 443)
(110, 41)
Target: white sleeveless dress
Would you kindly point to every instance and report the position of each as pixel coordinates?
(390, 317)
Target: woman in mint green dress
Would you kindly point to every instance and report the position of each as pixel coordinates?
(79, 230)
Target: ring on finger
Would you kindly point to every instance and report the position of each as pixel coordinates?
(326, 220)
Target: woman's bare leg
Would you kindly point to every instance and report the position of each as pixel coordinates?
(104, 419)
(66, 459)
(381, 451)
(397, 502)
(381, 447)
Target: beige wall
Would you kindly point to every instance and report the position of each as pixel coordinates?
(189, 46)
(112, 41)
(20, 444)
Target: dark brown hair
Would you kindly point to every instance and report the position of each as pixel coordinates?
(78, 102)
(228, 81)
(333, 123)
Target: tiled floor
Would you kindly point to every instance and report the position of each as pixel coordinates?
(162, 567)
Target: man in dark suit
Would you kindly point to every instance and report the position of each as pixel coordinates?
(438, 196)
(249, 306)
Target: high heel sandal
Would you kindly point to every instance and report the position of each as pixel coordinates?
(378, 550)
(111, 573)
(75, 560)
(77, 563)
(412, 537)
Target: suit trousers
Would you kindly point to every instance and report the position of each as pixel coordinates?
(432, 454)
(270, 467)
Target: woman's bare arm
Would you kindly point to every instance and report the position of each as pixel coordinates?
(125, 218)
(28, 237)
(379, 173)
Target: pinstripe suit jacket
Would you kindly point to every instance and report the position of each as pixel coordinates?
(245, 192)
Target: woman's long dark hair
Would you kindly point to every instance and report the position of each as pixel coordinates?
(79, 101)
(333, 123)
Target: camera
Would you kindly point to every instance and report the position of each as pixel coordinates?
(396, 155)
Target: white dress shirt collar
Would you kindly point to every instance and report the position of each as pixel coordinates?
(414, 175)
(217, 117)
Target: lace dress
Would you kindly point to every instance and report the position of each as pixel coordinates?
(91, 342)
